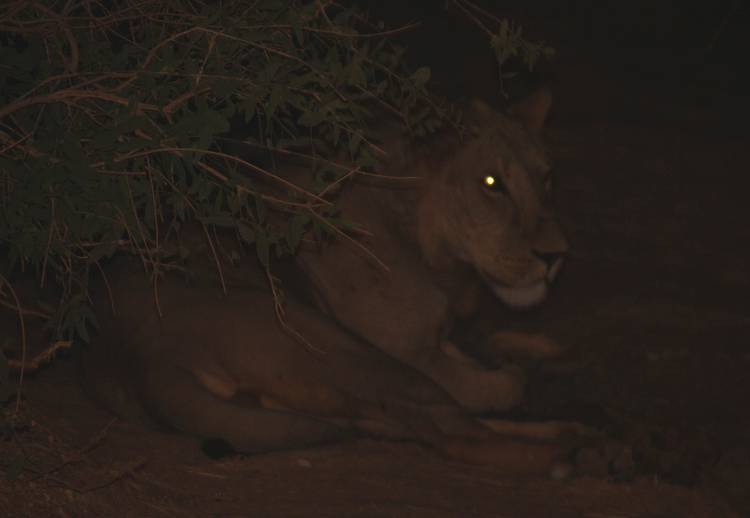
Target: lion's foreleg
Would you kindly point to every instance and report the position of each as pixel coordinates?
(511, 455)
(542, 430)
(502, 346)
(474, 387)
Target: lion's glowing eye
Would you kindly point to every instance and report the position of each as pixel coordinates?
(493, 183)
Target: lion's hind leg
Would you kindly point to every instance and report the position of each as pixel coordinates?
(176, 398)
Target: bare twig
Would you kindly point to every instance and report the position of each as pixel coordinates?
(22, 323)
(215, 256)
(369, 253)
(222, 177)
(72, 94)
(278, 305)
(44, 357)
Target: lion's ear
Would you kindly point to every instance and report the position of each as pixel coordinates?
(532, 110)
(479, 114)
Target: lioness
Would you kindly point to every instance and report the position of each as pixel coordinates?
(479, 214)
(220, 366)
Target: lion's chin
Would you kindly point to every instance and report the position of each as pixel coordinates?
(521, 297)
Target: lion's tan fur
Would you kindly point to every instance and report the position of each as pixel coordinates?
(220, 366)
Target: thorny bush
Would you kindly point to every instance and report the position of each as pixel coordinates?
(122, 120)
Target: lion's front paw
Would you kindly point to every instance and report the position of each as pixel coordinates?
(502, 345)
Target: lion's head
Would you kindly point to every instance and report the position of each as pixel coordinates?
(487, 205)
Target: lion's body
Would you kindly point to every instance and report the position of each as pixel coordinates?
(221, 366)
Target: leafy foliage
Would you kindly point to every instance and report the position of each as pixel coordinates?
(122, 121)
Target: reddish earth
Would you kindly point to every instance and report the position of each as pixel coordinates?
(652, 187)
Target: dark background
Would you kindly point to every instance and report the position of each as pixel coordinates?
(694, 48)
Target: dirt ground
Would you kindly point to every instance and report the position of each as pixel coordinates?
(652, 182)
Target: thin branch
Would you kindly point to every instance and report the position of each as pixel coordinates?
(49, 237)
(46, 356)
(369, 253)
(68, 94)
(22, 322)
(278, 305)
(267, 197)
(26, 311)
(221, 176)
(349, 35)
(216, 257)
(338, 181)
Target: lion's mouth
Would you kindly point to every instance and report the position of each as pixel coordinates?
(529, 295)
(521, 297)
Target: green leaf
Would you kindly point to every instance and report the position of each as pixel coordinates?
(276, 99)
(82, 329)
(421, 76)
(104, 250)
(310, 119)
(296, 230)
(354, 143)
(357, 74)
(299, 34)
(223, 220)
(260, 208)
(87, 314)
(247, 233)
